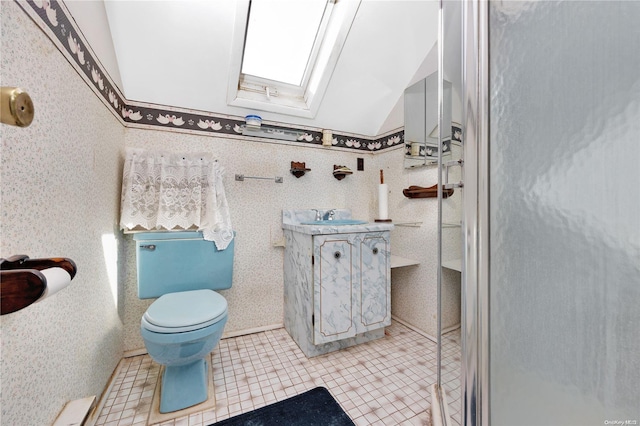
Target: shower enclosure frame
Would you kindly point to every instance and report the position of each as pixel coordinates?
(593, 269)
(474, 375)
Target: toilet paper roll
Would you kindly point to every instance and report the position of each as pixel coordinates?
(57, 279)
(383, 201)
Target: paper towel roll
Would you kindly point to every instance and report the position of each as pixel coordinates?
(383, 201)
(57, 279)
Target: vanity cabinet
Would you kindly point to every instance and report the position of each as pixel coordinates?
(351, 285)
(337, 289)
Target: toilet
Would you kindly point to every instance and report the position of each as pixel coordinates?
(185, 323)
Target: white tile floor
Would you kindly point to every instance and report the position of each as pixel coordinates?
(384, 382)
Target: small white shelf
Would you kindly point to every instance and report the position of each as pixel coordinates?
(455, 264)
(399, 262)
(272, 133)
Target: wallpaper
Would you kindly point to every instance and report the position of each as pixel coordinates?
(55, 19)
(255, 205)
(61, 181)
(60, 197)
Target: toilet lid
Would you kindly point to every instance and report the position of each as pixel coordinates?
(184, 311)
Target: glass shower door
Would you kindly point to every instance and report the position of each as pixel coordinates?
(557, 243)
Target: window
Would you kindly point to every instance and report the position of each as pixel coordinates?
(292, 28)
(284, 53)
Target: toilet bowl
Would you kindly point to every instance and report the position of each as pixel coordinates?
(179, 331)
(185, 323)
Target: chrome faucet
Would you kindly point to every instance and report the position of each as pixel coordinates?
(318, 214)
(330, 214)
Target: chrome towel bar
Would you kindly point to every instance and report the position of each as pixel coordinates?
(241, 178)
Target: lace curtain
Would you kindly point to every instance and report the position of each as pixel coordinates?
(164, 191)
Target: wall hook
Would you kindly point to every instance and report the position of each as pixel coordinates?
(298, 169)
(339, 172)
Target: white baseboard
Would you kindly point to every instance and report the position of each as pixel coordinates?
(422, 333)
(252, 330)
(135, 352)
(93, 416)
(143, 351)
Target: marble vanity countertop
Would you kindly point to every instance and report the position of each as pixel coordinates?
(293, 219)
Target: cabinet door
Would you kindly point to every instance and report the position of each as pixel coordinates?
(374, 298)
(333, 273)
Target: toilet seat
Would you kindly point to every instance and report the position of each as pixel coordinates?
(184, 311)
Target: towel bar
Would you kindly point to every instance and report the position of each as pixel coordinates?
(241, 178)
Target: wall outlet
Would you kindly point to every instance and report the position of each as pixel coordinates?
(360, 164)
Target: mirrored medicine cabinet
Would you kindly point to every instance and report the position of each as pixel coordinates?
(421, 122)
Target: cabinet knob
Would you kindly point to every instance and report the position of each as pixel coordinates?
(337, 255)
(375, 250)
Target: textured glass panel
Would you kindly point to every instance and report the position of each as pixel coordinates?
(565, 213)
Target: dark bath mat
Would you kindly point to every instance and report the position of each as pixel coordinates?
(312, 408)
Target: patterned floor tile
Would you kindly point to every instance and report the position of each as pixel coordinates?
(383, 382)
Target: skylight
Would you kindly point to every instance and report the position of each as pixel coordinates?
(285, 52)
(280, 38)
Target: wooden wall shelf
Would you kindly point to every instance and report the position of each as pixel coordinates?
(428, 192)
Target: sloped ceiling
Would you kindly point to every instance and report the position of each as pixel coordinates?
(178, 53)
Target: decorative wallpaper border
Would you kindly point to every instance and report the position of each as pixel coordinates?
(431, 151)
(55, 20)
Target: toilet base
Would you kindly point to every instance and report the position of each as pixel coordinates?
(183, 386)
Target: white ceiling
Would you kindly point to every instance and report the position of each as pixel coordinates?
(178, 53)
